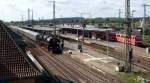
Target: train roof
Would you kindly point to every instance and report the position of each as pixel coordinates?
(41, 28)
(88, 28)
(27, 31)
(17, 38)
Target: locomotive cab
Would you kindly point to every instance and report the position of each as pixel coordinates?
(55, 45)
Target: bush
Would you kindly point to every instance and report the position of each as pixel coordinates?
(147, 32)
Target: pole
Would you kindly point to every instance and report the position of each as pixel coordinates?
(83, 31)
(107, 36)
(28, 14)
(83, 34)
(28, 23)
(78, 37)
(54, 18)
(32, 17)
(81, 43)
(132, 18)
(128, 54)
(40, 22)
(144, 23)
(22, 20)
(120, 17)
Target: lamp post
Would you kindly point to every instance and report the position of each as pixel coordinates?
(107, 37)
(78, 37)
(82, 22)
(83, 31)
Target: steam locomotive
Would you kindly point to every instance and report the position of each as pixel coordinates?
(49, 41)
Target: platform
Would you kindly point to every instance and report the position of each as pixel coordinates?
(100, 62)
(138, 51)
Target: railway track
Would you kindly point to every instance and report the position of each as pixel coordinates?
(59, 67)
(137, 60)
(79, 73)
(142, 62)
(76, 71)
(69, 68)
(80, 68)
(97, 74)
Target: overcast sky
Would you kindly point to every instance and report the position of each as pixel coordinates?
(12, 10)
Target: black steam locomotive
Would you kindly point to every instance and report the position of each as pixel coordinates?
(53, 43)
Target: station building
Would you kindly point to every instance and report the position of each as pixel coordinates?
(90, 31)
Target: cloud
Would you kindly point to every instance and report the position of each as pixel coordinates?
(12, 10)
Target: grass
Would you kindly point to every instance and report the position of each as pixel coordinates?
(147, 38)
(131, 77)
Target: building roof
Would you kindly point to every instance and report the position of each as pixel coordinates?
(14, 64)
(88, 28)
